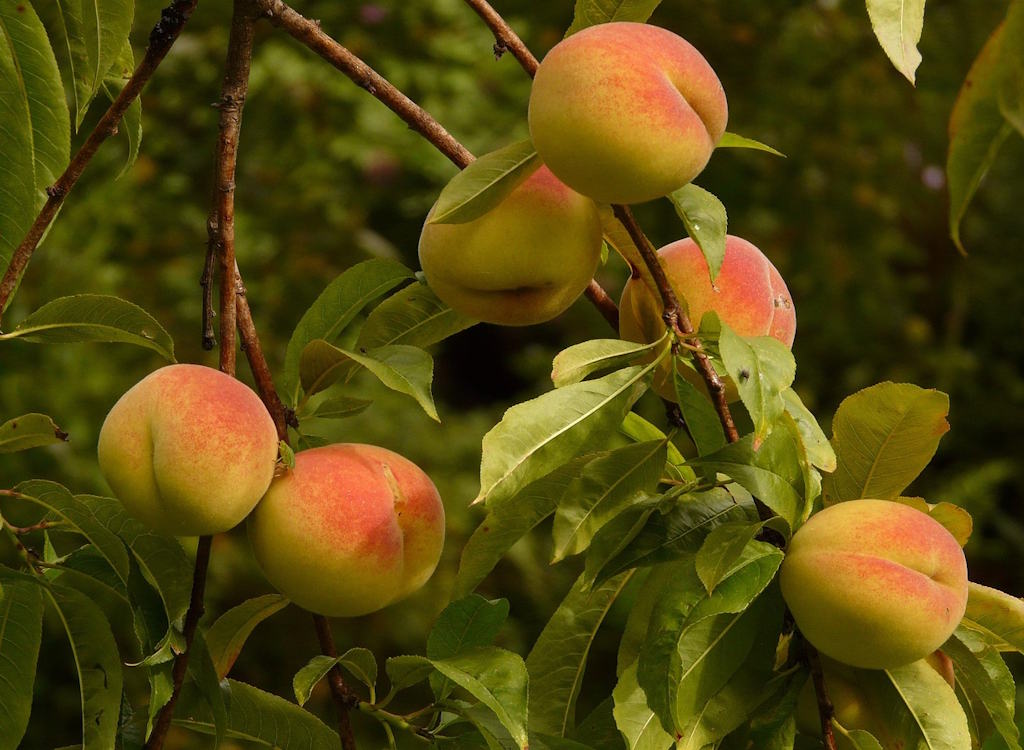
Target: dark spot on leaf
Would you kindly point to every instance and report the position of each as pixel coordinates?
(14, 425)
(744, 374)
(60, 434)
(21, 8)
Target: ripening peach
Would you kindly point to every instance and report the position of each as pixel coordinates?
(351, 529)
(874, 584)
(748, 294)
(626, 112)
(523, 262)
(188, 450)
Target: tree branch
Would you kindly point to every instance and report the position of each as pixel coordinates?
(163, 35)
(344, 699)
(236, 82)
(281, 415)
(825, 708)
(195, 611)
(505, 37)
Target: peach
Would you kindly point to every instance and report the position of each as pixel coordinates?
(351, 529)
(188, 450)
(523, 262)
(748, 294)
(874, 584)
(626, 112)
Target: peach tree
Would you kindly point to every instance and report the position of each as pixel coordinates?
(785, 591)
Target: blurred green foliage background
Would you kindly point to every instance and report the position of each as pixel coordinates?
(854, 217)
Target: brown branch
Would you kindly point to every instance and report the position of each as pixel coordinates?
(505, 37)
(825, 708)
(209, 339)
(677, 319)
(163, 35)
(344, 699)
(309, 33)
(258, 365)
(418, 119)
(195, 611)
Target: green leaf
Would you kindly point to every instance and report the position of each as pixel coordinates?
(819, 450)
(599, 730)
(466, 623)
(335, 308)
(228, 634)
(762, 368)
(678, 533)
(78, 514)
(308, 677)
(883, 437)
(106, 25)
(402, 368)
(21, 623)
(731, 140)
(860, 739)
(997, 615)
(257, 716)
(484, 184)
(580, 360)
(43, 90)
(93, 317)
(984, 674)
(63, 19)
(1011, 67)
(634, 717)
(897, 25)
(535, 437)
(131, 122)
(29, 431)
(203, 674)
(361, 663)
(721, 549)
(413, 315)
(341, 407)
(639, 430)
(498, 679)
(977, 130)
(705, 220)
(97, 662)
(933, 714)
(604, 487)
(771, 473)
(407, 670)
(558, 659)
(509, 520)
(699, 415)
(696, 641)
(161, 559)
(593, 12)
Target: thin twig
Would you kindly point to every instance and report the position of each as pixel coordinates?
(505, 37)
(418, 119)
(281, 415)
(163, 35)
(677, 319)
(344, 699)
(195, 611)
(309, 33)
(825, 708)
(209, 339)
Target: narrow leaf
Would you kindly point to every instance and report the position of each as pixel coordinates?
(705, 220)
(106, 25)
(897, 25)
(762, 369)
(731, 140)
(93, 317)
(336, 307)
(228, 634)
(721, 549)
(466, 623)
(21, 623)
(999, 616)
(29, 431)
(581, 360)
(984, 674)
(484, 184)
(307, 678)
(131, 122)
(413, 315)
(699, 415)
(819, 450)
(883, 437)
(341, 407)
(931, 704)
(558, 658)
(535, 437)
(634, 718)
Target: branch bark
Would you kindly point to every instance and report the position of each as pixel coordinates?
(505, 38)
(344, 699)
(161, 38)
(825, 708)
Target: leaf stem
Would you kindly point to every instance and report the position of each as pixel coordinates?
(162, 37)
(825, 708)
